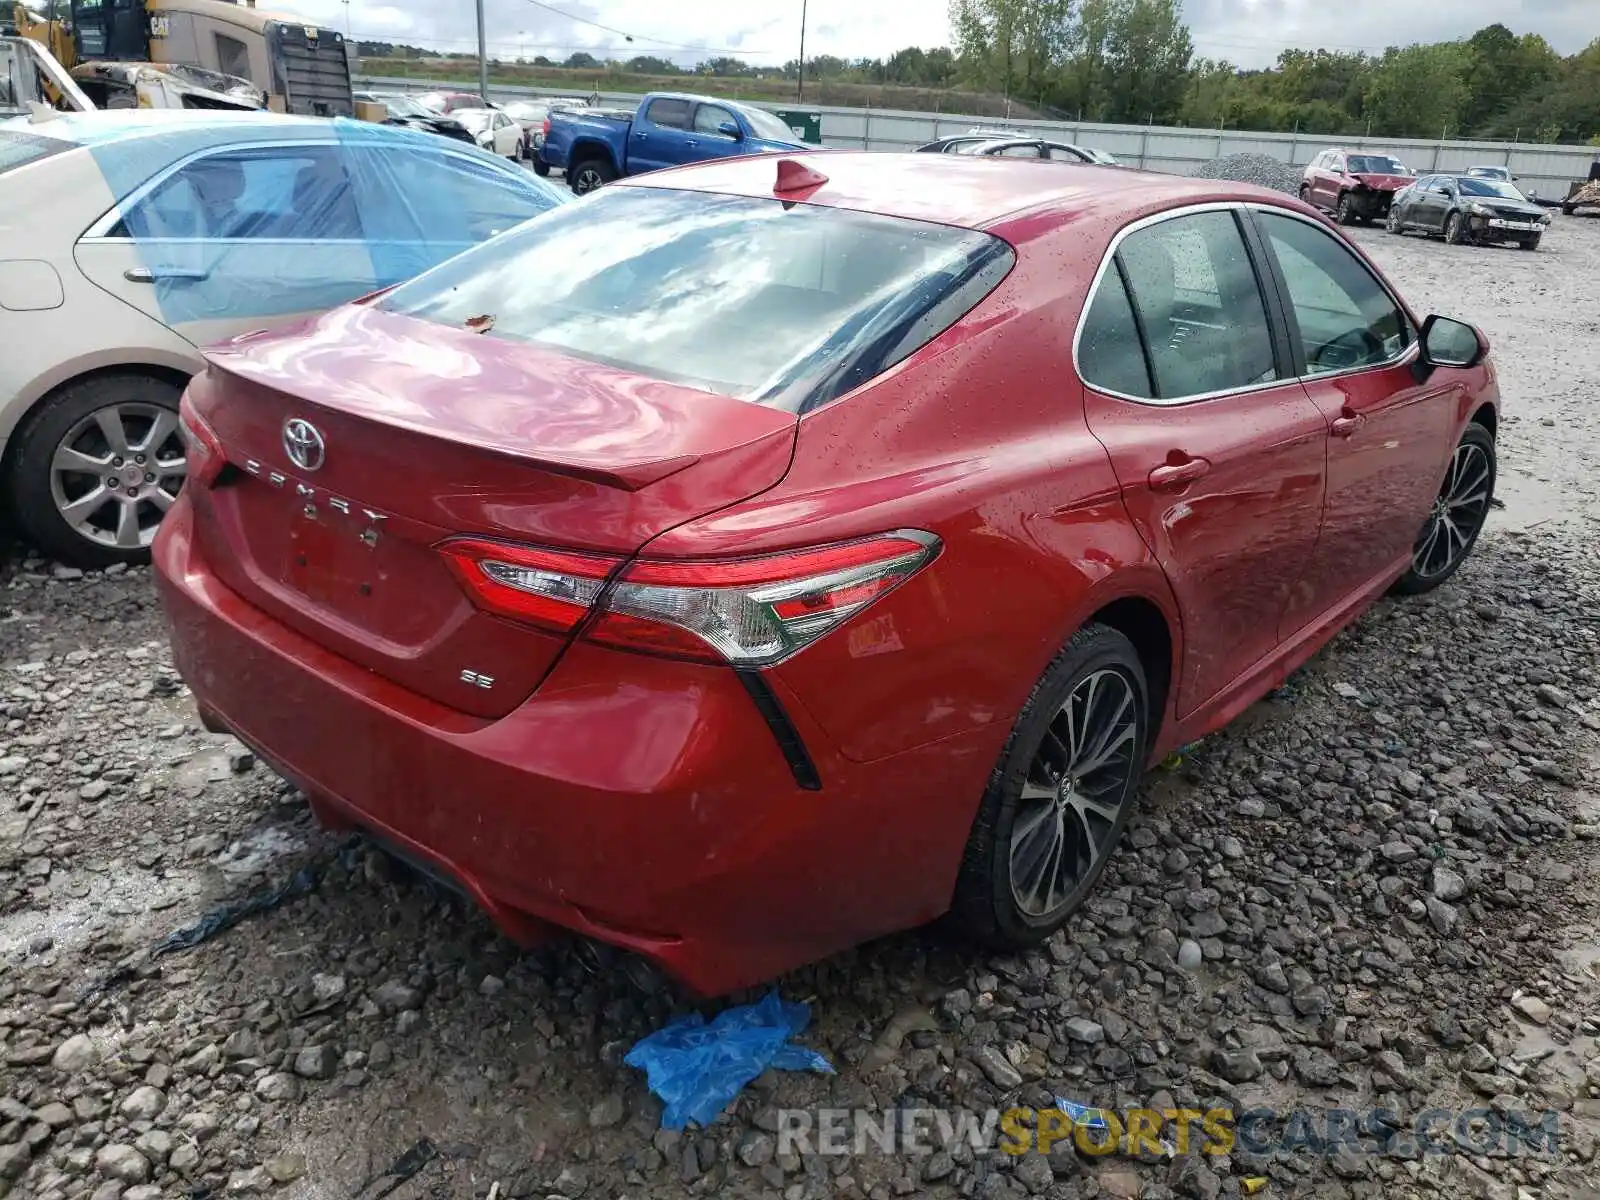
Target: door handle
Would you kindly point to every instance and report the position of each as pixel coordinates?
(692, 142)
(1169, 477)
(146, 275)
(640, 135)
(1347, 423)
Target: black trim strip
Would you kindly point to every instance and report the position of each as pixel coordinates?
(783, 730)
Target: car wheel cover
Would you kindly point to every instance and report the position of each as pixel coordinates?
(1072, 795)
(588, 179)
(1458, 513)
(116, 472)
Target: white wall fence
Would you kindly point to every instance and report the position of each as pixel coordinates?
(1541, 168)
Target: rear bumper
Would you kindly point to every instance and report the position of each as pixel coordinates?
(636, 801)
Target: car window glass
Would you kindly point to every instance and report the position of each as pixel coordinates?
(1063, 153)
(1489, 187)
(839, 296)
(232, 56)
(445, 198)
(1110, 356)
(1345, 318)
(767, 125)
(671, 114)
(299, 192)
(1193, 286)
(708, 116)
(1029, 151)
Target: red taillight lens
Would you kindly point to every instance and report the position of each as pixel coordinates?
(545, 129)
(755, 611)
(201, 446)
(550, 589)
(746, 611)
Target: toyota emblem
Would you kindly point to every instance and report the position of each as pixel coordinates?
(303, 444)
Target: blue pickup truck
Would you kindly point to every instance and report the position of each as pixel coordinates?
(668, 130)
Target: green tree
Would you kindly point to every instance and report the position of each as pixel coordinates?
(1147, 53)
(1503, 71)
(1418, 91)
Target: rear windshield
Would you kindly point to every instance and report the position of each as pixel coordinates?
(775, 302)
(20, 149)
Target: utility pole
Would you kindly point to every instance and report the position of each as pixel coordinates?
(483, 57)
(800, 89)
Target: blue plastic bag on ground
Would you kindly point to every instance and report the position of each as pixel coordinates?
(697, 1069)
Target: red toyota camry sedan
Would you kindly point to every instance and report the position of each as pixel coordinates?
(766, 555)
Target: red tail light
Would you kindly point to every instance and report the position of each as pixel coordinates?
(550, 589)
(747, 611)
(202, 447)
(546, 128)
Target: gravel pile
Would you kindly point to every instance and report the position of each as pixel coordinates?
(1260, 169)
(1376, 890)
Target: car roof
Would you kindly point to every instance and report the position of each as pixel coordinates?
(954, 189)
(106, 126)
(198, 128)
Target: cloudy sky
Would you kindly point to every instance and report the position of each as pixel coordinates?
(1248, 32)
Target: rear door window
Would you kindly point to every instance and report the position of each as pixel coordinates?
(417, 196)
(299, 193)
(669, 114)
(1199, 306)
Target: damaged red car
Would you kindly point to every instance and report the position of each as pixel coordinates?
(767, 555)
(1354, 187)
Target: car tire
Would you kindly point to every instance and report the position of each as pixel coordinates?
(1455, 229)
(1392, 222)
(1458, 514)
(1568, 209)
(1305, 193)
(1530, 243)
(541, 168)
(67, 420)
(590, 174)
(1345, 212)
(1000, 900)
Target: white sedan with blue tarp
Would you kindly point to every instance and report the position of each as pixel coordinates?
(129, 239)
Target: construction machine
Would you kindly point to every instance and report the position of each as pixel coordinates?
(298, 66)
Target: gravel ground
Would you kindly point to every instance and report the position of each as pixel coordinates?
(1260, 169)
(1380, 884)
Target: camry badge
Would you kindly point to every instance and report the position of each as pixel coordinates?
(303, 444)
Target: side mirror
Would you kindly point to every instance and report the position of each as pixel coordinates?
(1449, 343)
(729, 129)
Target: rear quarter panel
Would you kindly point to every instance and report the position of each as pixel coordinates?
(979, 437)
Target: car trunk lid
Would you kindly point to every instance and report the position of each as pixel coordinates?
(427, 432)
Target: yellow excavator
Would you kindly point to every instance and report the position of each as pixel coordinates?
(295, 65)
